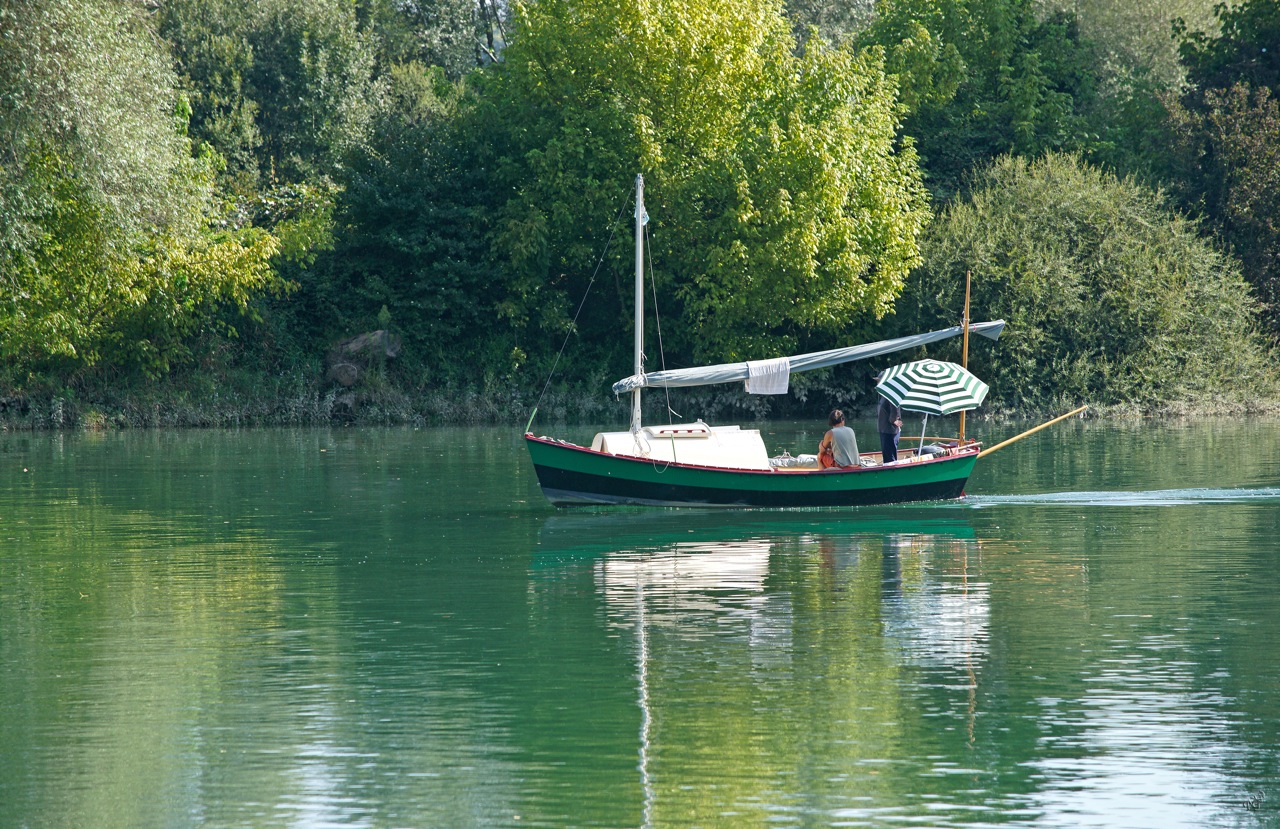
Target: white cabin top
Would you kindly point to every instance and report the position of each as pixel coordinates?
(728, 447)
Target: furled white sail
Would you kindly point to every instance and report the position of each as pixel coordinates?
(732, 372)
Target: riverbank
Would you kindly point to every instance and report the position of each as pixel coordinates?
(295, 401)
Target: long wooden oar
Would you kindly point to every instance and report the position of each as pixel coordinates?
(1003, 444)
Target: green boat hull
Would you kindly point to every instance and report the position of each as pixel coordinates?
(575, 476)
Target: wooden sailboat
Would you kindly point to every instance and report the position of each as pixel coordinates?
(694, 464)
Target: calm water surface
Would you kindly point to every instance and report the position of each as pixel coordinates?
(391, 628)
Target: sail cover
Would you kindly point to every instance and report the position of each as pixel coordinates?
(732, 372)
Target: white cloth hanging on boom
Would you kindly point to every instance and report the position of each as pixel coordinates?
(768, 376)
(733, 372)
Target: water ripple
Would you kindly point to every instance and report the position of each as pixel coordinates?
(1152, 498)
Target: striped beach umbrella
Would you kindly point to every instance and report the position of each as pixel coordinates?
(932, 386)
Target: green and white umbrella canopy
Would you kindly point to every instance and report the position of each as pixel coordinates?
(932, 386)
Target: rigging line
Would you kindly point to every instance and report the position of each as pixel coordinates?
(574, 326)
(662, 356)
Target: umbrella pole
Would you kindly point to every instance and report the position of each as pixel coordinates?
(923, 428)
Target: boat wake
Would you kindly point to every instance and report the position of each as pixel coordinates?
(1152, 498)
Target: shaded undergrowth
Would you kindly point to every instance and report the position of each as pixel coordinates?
(298, 400)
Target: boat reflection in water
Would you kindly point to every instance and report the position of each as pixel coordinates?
(672, 587)
(772, 649)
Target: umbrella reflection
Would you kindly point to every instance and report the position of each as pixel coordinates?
(941, 621)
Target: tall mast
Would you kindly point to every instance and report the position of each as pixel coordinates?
(640, 218)
(964, 359)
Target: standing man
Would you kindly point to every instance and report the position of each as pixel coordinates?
(889, 422)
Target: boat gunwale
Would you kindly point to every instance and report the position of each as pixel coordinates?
(971, 449)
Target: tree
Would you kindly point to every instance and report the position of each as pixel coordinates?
(1227, 132)
(312, 78)
(835, 20)
(213, 51)
(439, 33)
(110, 245)
(1137, 69)
(1244, 51)
(281, 89)
(1110, 297)
(986, 77)
(1131, 38)
(781, 203)
(410, 240)
(108, 113)
(1230, 152)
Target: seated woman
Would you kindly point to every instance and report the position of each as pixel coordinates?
(839, 447)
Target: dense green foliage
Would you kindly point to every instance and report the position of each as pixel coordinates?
(410, 250)
(280, 89)
(1131, 39)
(1243, 51)
(1230, 155)
(212, 194)
(781, 204)
(1109, 296)
(835, 20)
(111, 248)
(986, 77)
(1226, 134)
(442, 33)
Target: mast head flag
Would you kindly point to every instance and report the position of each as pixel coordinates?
(932, 386)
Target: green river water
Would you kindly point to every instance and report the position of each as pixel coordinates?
(392, 628)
